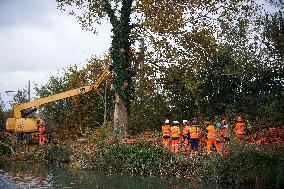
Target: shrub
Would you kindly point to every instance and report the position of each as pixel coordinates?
(58, 154)
(141, 158)
(247, 164)
(4, 150)
(103, 133)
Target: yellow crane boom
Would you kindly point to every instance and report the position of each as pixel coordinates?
(19, 124)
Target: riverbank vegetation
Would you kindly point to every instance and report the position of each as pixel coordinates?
(247, 164)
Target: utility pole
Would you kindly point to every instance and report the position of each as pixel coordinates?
(29, 91)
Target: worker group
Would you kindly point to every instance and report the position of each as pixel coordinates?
(217, 136)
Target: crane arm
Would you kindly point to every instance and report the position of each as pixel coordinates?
(38, 102)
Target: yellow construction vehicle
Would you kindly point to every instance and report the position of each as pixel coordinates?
(20, 123)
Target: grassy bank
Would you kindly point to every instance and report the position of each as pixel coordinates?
(246, 164)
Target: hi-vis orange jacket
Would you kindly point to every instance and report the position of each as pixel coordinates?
(175, 131)
(239, 129)
(166, 130)
(194, 132)
(211, 134)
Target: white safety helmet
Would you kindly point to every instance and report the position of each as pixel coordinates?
(184, 121)
(167, 121)
(175, 122)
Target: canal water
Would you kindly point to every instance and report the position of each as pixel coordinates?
(30, 175)
(33, 175)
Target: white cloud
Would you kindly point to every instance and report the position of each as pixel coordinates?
(30, 47)
(33, 50)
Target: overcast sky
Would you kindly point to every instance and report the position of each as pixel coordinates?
(37, 39)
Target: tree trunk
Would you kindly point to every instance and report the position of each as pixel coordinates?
(121, 119)
(121, 66)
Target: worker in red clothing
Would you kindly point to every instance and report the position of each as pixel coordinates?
(239, 129)
(166, 131)
(185, 135)
(42, 134)
(194, 137)
(175, 136)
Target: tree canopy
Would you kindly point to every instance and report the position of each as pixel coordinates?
(199, 59)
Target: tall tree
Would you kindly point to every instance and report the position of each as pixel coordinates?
(121, 53)
(160, 21)
(119, 14)
(20, 97)
(55, 112)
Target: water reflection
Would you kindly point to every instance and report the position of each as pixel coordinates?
(30, 175)
(24, 175)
